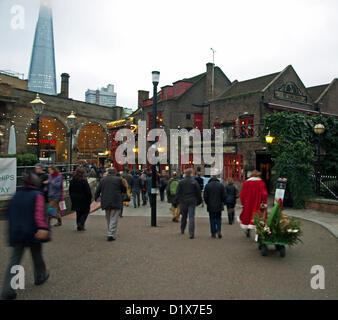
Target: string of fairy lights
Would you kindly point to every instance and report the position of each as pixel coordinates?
(92, 136)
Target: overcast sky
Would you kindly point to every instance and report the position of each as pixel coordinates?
(121, 42)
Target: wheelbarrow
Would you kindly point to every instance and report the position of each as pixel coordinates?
(279, 245)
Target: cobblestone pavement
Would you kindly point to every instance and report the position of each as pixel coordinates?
(160, 263)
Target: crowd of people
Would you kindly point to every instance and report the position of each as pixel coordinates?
(32, 209)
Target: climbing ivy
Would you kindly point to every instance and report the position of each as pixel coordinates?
(294, 148)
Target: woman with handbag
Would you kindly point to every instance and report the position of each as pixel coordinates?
(81, 197)
(56, 193)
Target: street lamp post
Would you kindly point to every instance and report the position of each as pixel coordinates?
(38, 106)
(49, 136)
(319, 129)
(156, 80)
(71, 122)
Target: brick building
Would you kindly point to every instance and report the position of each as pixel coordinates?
(91, 136)
(238, 108)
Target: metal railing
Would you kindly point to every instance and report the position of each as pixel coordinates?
(243, 131)
(328, 186)
(66, 170)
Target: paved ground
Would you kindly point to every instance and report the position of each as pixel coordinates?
(160, 263)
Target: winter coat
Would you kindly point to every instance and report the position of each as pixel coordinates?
(26, 215)
(43, 187)
(136, 183)
(128, 177)
(80, 195)
(189, 192)
(149, 184)
(230, 198)
(55, 187)
(200, 181)
(214, 195)
(110, 189)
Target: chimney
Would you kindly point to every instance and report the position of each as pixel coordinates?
(209, 92)
(64, 85)
(142, 95)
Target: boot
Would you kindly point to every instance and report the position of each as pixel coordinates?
(230, 218)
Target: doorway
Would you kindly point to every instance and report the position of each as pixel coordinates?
(264, 165)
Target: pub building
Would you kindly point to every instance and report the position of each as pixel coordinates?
(211, 100)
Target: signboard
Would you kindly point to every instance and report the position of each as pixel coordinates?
(226, 150)
(7, 176)
(289, 91)
(290, 97)
(280, 189)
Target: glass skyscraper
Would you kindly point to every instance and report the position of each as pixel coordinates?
(42, 76)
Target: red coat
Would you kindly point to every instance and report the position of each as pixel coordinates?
(253, 194)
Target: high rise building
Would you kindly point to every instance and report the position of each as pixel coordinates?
(104, 97)
(42, 76)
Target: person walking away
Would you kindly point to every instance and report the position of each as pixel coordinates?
(172, 197)
(163, 185)
(200, 181)
(230, 200)
(136, 189)
(149, 184)
(214, 197)
(126, 175)
(189, 196)
(144, 188)
(124, 194)
(43, 177)
(110, 190)
(81, 197)
(27, 227)
(253, 196)
(55, 192)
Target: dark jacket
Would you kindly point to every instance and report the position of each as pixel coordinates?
(149, 181)
(80, 195)
(26, 215)
(214, 195)
(43, 187)
(189, 192)
(110, 189)
(200, 181)
(136, 183)
(230, 198)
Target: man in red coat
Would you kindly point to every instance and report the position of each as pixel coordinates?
(253, 196)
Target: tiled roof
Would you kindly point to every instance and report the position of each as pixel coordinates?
(249, 86)
(316, 91)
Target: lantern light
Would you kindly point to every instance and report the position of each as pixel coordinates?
(269, 138)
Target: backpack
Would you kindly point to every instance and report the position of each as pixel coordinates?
(173, 187)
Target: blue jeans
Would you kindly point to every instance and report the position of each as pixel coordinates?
(136, 198)
(215, 222)
(185, 212)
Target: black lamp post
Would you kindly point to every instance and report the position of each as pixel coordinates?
(319, 129)
(38, 106)
(49, 136)
(71, 122)
(156, 80)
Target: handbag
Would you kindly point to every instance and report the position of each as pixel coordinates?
(125, 198)
(51, 210)
(62, 205)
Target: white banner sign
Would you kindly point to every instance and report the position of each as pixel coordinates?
(7, 176)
